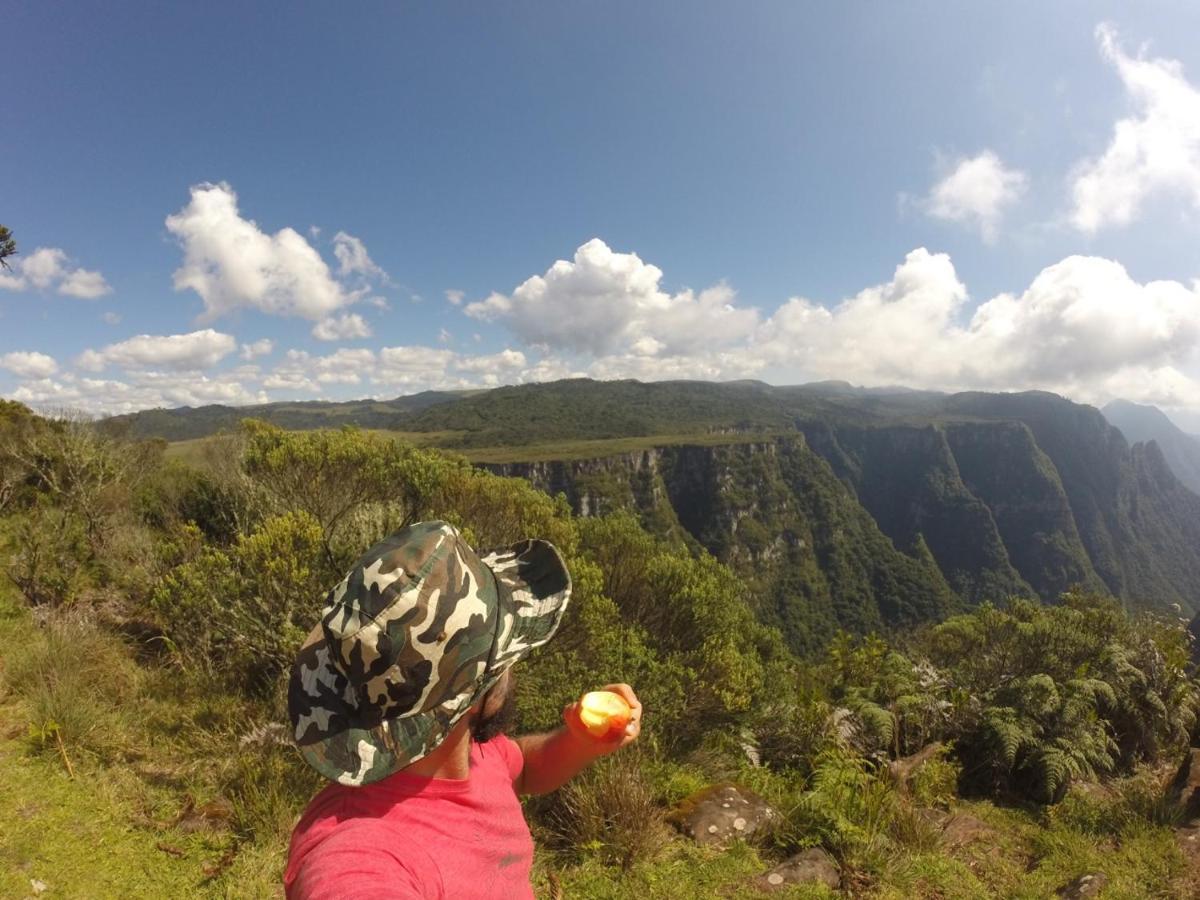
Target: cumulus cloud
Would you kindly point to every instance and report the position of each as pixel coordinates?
(1156, 149)
(1083, 327)
(344, 327)
(976, 192)
(104, 396)
(353, 258)
(49, 268)
(179, 352)
(455, 297)
(405, 369)
(258, 348)
(603, 302)
(411, 366)
(29, 364)
(232, 263)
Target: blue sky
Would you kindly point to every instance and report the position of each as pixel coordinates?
(936, 194)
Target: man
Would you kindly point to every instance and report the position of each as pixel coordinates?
(400, 697)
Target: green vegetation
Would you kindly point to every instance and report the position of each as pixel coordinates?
(152, 607)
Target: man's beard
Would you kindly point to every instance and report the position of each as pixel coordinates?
(484, 728)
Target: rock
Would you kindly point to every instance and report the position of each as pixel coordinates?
(722, 813)
(1184, 791)
(962, 829)
(1089, 885)
(811, 866)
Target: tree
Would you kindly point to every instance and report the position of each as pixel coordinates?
(8, 246)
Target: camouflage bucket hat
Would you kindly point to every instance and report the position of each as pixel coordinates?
(410, 640)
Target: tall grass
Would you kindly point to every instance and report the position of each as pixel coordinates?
(78, 685)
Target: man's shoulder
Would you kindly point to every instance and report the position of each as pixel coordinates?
(501, 751)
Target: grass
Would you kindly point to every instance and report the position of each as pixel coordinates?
(147, 748)
(150, 792)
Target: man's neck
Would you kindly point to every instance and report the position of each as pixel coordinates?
(451, 759)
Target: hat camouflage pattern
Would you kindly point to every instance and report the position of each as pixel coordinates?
(410, 640)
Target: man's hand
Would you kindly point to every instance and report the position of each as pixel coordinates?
(551, 760)
(606, 745)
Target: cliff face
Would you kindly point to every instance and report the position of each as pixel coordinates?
(860, 526)
(774, 511)
(1142, 424)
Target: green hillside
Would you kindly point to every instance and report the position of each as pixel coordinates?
(151, 609)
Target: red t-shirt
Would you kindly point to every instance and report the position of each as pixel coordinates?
(415, 838)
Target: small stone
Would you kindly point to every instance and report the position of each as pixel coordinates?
(1083, 887)
(726, 805)
(712, 829)
(811, 866)
(739, 823)
(38, 886)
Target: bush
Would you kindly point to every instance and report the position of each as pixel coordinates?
(47, 549)
(241, 615)
(333, 476)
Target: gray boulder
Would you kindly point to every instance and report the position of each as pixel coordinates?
(811, 866)
(723, 813)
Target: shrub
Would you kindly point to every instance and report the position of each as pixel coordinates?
(792, 733)
(848, 809)
(47, 549)
(242, 613)
(935, 782)
(332, 475)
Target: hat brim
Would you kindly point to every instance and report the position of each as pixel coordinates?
(533, 588)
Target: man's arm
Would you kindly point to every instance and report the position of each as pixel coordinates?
(554, 758)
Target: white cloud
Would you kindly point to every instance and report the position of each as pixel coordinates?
(1083, 328)
(180, 352)
(1157, 149)
(232, 263)
(142, 391)
(29, 364)
(353, 258)
(49, 268)
(43, 267)
(455, 297)
(290, 381)
(111, 318)
(976, 192)
(258, 348)
(84, 284)
(413, 367)
(603, 302)
(300, 371)
(507, 361)
(345, 327)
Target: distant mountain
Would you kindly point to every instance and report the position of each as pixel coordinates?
(186, 422)
(1148, 423)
